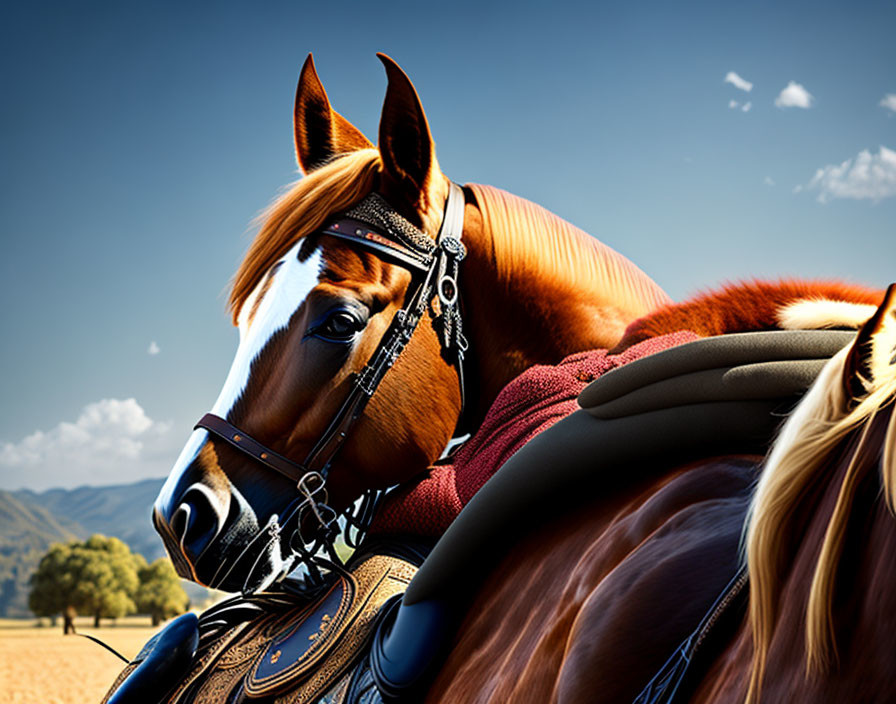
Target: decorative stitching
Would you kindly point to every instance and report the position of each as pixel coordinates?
(376, 212)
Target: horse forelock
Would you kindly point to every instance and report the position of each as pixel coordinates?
(529, 240)
(299, 212)
(823, 421)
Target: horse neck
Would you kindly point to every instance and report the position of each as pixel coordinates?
(536, 289)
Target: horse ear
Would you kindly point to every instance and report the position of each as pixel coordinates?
(874, 350)
(320, 132)
(405, 142)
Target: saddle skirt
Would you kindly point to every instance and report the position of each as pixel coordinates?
(301, 655)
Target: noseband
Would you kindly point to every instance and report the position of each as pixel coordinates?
(374, 225)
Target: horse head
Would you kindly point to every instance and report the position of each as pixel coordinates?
(312, 309)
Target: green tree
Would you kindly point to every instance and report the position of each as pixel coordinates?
(97, 577)
(160, 594)
(51, 584)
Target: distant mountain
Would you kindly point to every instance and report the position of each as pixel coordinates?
(31, 521)
(26, 531)
(123, 511)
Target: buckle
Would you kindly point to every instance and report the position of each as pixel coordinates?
(311, 485)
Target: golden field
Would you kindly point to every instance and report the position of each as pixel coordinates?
(38, 665)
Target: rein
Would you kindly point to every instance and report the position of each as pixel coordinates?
(374, 225)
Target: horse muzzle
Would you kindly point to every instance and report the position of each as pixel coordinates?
(218, 541)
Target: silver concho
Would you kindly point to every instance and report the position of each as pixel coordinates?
(454, 247)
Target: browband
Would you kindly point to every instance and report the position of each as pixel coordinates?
(374, 224)
(356, 231)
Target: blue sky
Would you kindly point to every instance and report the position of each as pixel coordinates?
(139, 140)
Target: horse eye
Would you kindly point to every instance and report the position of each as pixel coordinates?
(339, 326)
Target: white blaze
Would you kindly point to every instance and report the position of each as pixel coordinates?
(290, 285)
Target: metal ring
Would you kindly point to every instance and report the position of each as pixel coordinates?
(310, 491)
(449, 297)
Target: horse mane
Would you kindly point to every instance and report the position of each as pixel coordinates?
(529, 241)
(759, 305)
(527, 238)
(824, 419)
(300, 211)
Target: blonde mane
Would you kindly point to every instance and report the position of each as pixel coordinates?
(529, 240)
(302, 210)
(822, 420)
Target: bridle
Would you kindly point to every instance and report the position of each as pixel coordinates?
(374, 225)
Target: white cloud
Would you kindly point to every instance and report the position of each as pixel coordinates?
(113, 441)
(738, 82)
(746, 107)
(794, 96)
(867, 176)
(889, 102)
(153, 348)
(733, 104)
(769, 181)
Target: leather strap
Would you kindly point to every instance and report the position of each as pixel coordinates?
(674, 681)
(250, 446)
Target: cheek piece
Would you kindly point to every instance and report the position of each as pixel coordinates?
(312, 525)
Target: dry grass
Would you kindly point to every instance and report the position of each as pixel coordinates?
(40, 665)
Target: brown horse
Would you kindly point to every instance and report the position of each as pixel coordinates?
(313, 307)
(588, 609)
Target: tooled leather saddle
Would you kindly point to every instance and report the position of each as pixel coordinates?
(276, 647)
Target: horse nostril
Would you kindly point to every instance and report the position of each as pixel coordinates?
(196, 522)
(180, 520)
